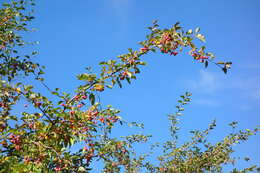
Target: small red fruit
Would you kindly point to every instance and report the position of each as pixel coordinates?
(204, 57)
(95, 113)
(80, 105)
(76, 97)
(84, 97)
(122, 77)
(38, 104)
(91, 144)
(194, 55)
(63, 105)
(144, 49)
(174, 53)
(17, 147)
(102, 119)
(57, 168)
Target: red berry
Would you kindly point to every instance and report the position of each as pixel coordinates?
(76, 97)
(57, 168)
(38, 104)
(122, 77)
(84, 97)
(80, 105)
(102, 119)
(95, 113)
(204, 57)
(194, 55)
(144, 49)
(174, 53)
(63, 104)
(17, 147)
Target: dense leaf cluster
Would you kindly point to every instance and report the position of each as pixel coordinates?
(40, 139)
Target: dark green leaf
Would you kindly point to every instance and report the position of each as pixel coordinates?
(92, 98)
(224, 70)
(118, 82)
(206, 64)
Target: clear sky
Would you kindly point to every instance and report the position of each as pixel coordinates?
(80, 33)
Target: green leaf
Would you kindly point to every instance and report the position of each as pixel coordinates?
(228, 65)
(118, 82)
(201, 37)
(109, 86)
(33, 96)
(142, 63)
(224, 70)
(197, 30)
(129, 74)
(72, 141)
(102, 63)
(176, 24)
(189, 31)
(92, 98)
(86, 76)
(206, 64)
(82, 169)
(128, 80)
(34, 52)
(211, 55)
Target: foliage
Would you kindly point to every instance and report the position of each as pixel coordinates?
(40, 140)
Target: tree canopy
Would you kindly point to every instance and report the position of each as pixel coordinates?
(40, 140)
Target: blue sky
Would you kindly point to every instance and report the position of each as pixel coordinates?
(76, 34)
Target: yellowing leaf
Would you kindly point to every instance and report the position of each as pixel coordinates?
(99, 87)
(18, 90)
(201, 37)
(129, 74)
